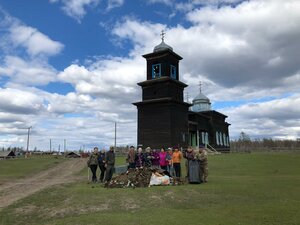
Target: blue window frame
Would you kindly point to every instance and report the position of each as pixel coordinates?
(173, 72)
(156, 70)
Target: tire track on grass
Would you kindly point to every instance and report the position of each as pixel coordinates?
(62, 173)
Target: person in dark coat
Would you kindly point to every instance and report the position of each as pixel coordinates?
(93, 164)
(189, 155)
(148, 157)
(109, 163)
(155, 159)
(101, 163)
(131, 157)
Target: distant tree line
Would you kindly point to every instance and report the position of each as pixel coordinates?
(246, 144)
(14, 149)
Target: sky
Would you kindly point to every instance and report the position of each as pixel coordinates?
(70, 68)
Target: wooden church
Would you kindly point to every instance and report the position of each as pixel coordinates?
(164, 119)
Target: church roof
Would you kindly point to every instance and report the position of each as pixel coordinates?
(201, 97)
(162, 46)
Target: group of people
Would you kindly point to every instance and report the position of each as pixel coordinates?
(170, 161)
(106, 163)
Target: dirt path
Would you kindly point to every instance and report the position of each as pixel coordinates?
(62, 173)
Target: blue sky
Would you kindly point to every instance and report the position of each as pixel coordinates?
(69, 68)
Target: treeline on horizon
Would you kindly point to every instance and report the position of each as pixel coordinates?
(243, 144)
(246, 144)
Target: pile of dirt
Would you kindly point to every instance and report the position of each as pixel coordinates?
(139, 177)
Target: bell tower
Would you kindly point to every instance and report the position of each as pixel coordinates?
(162, 113)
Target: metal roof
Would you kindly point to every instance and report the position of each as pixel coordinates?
(201, 97)
(162, 46)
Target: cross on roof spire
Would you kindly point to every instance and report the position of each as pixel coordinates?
(162, 35)
(200, 86)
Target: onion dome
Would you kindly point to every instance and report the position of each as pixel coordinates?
(201, 103)
(162, 46)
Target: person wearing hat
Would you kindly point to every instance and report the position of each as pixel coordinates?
(176, 159)
(109, 163)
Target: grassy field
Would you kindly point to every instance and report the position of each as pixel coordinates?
(260, 188)
(21, 167)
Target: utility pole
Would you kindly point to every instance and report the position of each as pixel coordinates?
(50, 146)
(115, 135)
(28, 128)
(65, 143)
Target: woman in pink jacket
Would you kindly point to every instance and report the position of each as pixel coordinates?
(162, 159)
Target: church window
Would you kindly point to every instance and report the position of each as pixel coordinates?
(206, 138)
(173, 72)
(203, 137)
(220, 138)
(156, 70)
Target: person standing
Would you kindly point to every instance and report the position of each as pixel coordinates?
(176, 159)
(189, 155)
(139, 160)
(203, 164)
(131, 158)
(109, 163)
(163, 159)
(101, 163)
(93, 164)
(148, 157)
(170, 167)
(155, 159)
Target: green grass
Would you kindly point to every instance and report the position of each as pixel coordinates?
(21, 167)
(244, 189)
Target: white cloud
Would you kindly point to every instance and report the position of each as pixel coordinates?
(76, 8)
(20, 102)
(34, 41)
(141, 33)
(16, 35)
(276, 118)
(107, 78)
(114, 4)
(27, 72)
(166, 2)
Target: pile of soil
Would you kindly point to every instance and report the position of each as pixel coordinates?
(139, 177)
